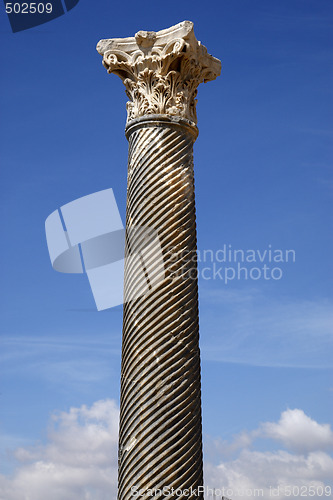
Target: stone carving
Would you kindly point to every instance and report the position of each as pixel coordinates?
(161, 71)
(160, 435)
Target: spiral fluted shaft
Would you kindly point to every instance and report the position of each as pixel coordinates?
(160, 441)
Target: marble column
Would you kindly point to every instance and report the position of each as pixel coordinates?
(160, 437)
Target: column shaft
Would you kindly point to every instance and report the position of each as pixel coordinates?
(160, 441)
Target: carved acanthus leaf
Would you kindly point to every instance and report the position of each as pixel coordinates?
(161, 71)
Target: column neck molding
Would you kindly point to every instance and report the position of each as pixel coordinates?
(162, 121)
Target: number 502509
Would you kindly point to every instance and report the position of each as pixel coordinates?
(28, 8)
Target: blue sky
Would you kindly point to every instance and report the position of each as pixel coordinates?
(263, 177)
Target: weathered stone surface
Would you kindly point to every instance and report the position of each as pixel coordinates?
(160, 435)
(161, 71)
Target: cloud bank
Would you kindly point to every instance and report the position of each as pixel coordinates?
(303, 467)
(79, 459)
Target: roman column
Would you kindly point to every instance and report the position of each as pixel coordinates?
(160, 437)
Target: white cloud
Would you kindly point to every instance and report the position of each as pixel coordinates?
(299, 432)
(79, 459)
(251, 473)
(255, 474)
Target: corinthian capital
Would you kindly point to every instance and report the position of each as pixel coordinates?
(161, 71)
